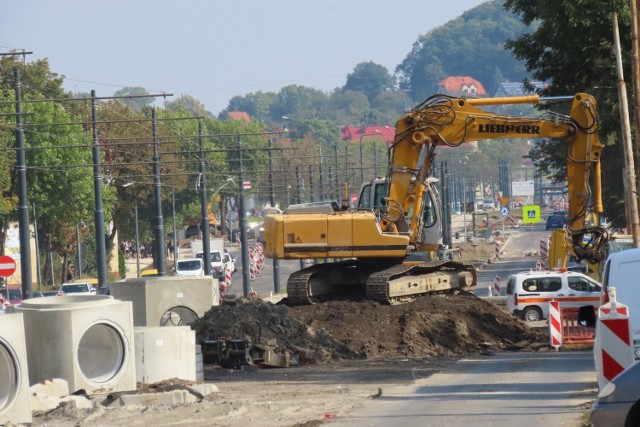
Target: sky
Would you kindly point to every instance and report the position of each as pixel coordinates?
(214, 50)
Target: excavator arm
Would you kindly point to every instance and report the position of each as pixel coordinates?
(443, 120)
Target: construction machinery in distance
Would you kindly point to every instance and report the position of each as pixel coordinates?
(384, 245)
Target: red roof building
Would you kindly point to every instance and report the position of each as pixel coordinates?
(239, 115)
(354, 134)
(461, 86)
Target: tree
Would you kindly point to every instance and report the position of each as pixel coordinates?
(187, 104)
(300, 102)
(471, 45)
(371, 79)
(134, 103)
(571, 47)
(257, 105)
(348, 106)
(58, 158)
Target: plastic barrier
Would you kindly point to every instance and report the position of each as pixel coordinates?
(572, 331)
(613, 349)
(497, 252)
(496, 286)
(544, 253)
(555, 328)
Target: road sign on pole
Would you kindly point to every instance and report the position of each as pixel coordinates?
(7, 266)
(504, 211)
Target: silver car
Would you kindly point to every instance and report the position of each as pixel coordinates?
(618, 403)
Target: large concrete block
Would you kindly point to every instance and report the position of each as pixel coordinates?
(167, 301)
(86, 340)
(15, 407)
(165, 353)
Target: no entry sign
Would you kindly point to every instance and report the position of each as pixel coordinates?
(7, 266)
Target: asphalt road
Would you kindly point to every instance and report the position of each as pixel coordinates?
(510, 389)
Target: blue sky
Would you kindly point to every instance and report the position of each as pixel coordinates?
(214, 50)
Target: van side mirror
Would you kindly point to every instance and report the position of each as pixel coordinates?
(587, 316)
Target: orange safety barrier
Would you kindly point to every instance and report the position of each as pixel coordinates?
(572, 331)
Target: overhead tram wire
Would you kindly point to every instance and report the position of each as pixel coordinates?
(85, 99)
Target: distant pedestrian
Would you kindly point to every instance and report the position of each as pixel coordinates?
(170, 248)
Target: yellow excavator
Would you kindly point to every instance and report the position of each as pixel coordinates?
(380, 245)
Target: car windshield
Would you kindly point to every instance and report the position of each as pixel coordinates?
(189, 265)
(215, 256)
(75, 288)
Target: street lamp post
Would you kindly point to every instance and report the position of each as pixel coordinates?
(319, 145)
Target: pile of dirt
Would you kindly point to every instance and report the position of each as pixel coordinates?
(437, 325)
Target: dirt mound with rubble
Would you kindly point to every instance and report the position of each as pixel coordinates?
(438, 325)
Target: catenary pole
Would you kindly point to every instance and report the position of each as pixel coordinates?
(101, 250)
(206, 243)
(629, 170)
(23, 209)
(242, 222)
(272, 202)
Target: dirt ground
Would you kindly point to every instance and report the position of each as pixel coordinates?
(343, 353)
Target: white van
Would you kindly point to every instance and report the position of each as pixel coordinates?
(622, 270)
(217, 263)
(529, 293)
(189, 267)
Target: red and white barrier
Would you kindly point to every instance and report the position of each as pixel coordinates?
(613, 347)
(497, 253)
(555, 325)
(259, 259)
(544, 253)
(496, 286)
(227, 280)
(252, 264)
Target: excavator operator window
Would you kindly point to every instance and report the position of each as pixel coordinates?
(380, 194)
(364, 202)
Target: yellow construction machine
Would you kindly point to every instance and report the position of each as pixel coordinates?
(379, 245)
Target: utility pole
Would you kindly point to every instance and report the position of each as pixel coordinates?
(23, 208)
(101, 250)
(158, 225)
(635, 73)
(242, 221)
(272, 202)
(206, 246)
(629, 170)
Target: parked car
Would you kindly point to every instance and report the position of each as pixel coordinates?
(230, 262)
(42, 294)
(13, 296)
(618, 403)
(488, 205)
(563, 214)
(555, 221)
(529, 293)
(77, 289)
(189, 267)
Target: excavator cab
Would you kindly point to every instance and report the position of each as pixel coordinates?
(373, 196)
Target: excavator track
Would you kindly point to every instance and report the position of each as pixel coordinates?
(406, 281)
(386, 282)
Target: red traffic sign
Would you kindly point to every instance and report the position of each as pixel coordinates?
(354, 198)
(7, 266)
